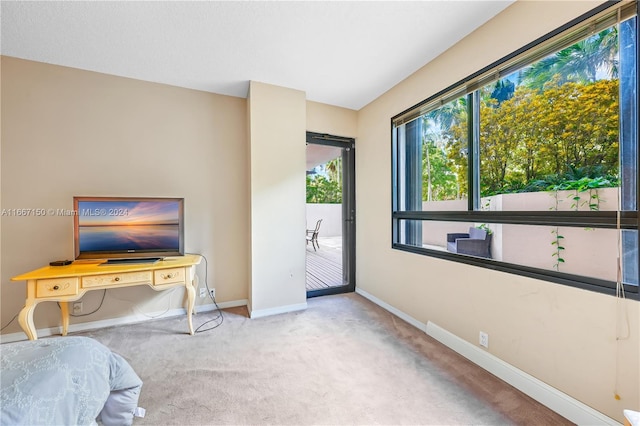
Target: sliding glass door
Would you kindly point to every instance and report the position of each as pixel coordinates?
(331, 214)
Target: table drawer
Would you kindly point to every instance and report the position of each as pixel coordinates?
(57, 287)
(114, 280)
(169, 276)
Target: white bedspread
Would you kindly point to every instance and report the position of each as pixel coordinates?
(66, 381)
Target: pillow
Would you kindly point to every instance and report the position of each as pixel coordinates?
(122, 402)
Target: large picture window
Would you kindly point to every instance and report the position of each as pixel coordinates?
(530, 165)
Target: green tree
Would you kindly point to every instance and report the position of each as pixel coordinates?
(578, 125)
(441, 167)
(562, 116)
(535, 134)
(439, 181)
(334, 170)
(323, 190)
(580, 62)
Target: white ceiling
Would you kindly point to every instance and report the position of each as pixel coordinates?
(338, 52)
(320, 154)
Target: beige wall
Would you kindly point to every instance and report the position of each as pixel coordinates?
(564, 336)
(68, 132)
(333, 120)
(277, 135)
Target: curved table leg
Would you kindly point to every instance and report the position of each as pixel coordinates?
(25, 319)
(191, 299)
(64, 309)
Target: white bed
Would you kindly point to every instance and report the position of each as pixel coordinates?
(66, 380)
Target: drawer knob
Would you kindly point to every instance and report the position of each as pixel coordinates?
(169, 276)
(56, 287)
(116, 279)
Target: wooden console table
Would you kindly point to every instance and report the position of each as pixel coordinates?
(66, 284)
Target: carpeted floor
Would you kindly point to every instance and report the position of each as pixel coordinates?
(342, 361)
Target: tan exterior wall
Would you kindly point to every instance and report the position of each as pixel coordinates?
(563, 336)
(588, 252)
(331, 215)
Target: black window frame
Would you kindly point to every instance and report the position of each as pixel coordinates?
(595, 219)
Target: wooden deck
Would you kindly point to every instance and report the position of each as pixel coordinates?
(324, 266)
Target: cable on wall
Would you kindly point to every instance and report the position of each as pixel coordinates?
(220, 317)
(104, 292)
(9, 323)
(136, 310)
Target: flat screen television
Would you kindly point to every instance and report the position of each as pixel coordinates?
(134, 229)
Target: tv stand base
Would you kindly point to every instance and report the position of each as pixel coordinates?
(131, 261)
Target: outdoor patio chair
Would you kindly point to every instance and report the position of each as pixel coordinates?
(312, 235)
(475, 243)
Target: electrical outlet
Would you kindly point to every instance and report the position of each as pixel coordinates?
(77, 308)
(212, 292)
(203, 292)
(484, 339)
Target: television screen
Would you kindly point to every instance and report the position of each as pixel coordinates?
(127, 227)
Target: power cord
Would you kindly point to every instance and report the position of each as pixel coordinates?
(9, 323)
(70, 314)
(219, 316)
(170, 292)
(104, 293)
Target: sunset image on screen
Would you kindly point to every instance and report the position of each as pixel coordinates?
(128, 225)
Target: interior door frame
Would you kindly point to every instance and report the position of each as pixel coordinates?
(348, 210)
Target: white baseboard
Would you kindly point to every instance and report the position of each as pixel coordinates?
(222, 305)
(129, 319)
(414, 322)
(549, 396)
(259, 313)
